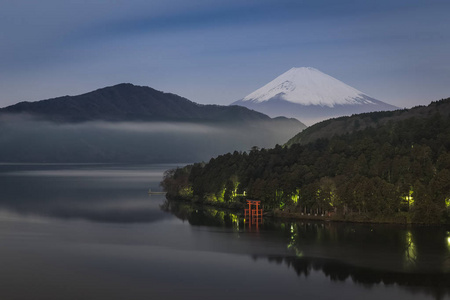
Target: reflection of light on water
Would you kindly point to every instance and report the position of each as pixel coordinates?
(410, 251)
(448, 240)
(292, 241)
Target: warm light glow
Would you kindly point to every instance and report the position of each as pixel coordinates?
(234, 193)
(295, 196)
(221, 196)
(235, 220)
(187, 192)
(332, 199)
(408, 199)
(448, 240)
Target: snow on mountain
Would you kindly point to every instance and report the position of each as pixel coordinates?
(310, 96)
(308, 86)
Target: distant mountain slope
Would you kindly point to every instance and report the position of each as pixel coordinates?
(310, 96)
(127, 123)
(344, 125)
(127, 102)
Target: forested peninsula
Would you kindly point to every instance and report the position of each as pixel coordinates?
(394, 168)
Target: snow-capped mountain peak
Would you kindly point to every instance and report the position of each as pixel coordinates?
(308, 86)
(310, 96)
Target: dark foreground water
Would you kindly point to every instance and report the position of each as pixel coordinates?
(93, 232)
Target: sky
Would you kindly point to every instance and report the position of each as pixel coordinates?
(217, 52)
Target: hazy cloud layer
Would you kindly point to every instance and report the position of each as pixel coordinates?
(24, 139)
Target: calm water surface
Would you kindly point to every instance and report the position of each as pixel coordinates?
(93, 232)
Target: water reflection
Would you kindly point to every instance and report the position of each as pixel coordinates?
(203, 215)
(218, 245)
(98, 193)
(435, 284)
(410, 251)
(390, 247)
(448, 240)
(367, 254)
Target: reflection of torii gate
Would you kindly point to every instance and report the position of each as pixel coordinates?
(254, 214)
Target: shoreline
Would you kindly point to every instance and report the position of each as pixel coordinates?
(283, 215)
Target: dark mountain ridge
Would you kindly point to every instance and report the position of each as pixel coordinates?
(127, 102)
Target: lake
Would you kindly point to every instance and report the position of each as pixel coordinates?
(93, 232)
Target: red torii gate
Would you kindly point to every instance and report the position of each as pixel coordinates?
(254, 214)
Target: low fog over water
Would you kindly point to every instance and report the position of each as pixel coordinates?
(24, 139)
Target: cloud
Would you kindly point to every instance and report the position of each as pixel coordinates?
(154, 127)
(25, 139)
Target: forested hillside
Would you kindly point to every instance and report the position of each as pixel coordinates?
(396, 171)
(344, 125)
